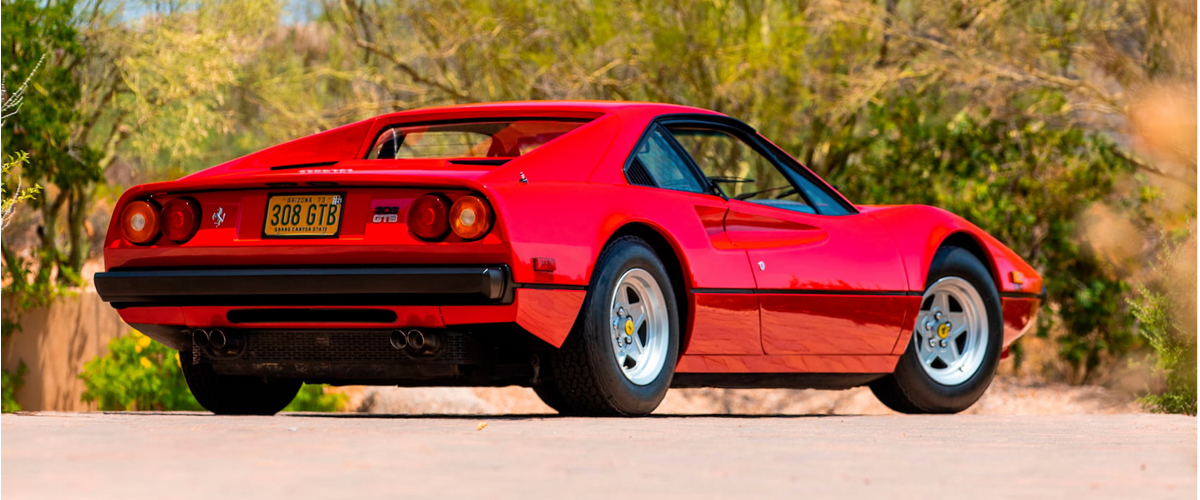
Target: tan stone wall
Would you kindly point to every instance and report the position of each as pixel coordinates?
(55, 342)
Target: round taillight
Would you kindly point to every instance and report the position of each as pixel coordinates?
(470, 217)
(180, 219)
(427, 217)
(139, 222)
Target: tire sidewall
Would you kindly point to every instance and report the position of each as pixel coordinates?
(619, 258)
(921, 389)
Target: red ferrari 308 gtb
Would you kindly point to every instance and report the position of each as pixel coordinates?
(598, 252)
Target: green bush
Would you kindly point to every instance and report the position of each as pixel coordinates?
(10, 385)
(314, 398)
(1165, 308)
(139, 374)
(1176, 353)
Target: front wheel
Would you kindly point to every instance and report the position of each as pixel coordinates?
(956, 341)
(620, 357)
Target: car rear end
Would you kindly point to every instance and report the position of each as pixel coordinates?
(379, 270)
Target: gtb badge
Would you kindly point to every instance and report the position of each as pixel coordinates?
(386, 215)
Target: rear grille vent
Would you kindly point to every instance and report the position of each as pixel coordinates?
(353, 346)
(637, 175)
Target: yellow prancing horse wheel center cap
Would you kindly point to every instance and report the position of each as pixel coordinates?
(628, 326)
(944, 330)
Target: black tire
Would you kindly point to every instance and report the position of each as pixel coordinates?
(909, 389)
(549, 393)
(583, 377)
(236, 395)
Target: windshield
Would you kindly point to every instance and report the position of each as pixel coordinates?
(498, 139)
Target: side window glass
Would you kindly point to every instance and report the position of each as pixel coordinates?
(658, 159)
(739, 170)
(825, 203)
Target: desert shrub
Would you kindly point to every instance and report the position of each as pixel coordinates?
(139, 374)
(1176, 353)
(1165, 309)
(10, 384)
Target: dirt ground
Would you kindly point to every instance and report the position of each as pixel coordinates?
(321, 456)
(1006, 396)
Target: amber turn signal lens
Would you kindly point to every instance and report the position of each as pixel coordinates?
(180, 219)
(139, 222)
(470, 217)
(427, 217)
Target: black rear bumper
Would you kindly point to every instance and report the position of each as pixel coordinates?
(411, 285)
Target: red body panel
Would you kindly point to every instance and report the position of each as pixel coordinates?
(815, 363)
(724, 324)
(833, 294)
(1019, 315)
(833, 324)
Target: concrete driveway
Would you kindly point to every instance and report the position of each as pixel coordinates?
(291, 456)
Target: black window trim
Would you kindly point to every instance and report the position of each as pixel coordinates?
(451, 121)
(797, 168)
(749, 140)
(708, 187)
(784, 162)
(748, 134)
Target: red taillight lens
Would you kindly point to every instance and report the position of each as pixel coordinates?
(139, 222)
(470, 217)
(180, 219)
(427, 217)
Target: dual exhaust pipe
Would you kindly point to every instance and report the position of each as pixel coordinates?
(416, 342)
(217, 340)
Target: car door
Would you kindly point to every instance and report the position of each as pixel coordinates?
(829, 280)
(724, 318)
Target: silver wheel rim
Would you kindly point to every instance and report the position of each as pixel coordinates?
(639, 326)
(951, 334)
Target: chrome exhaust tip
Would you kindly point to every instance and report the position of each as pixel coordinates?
(423, 343)
(201, 338)
(399, 339)
(218, 339)
(416, 340)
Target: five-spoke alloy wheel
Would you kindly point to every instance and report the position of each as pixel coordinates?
(640, 327)
(956, 340)
(951, 332)
(620, 357)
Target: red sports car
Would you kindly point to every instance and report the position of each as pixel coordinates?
(598, 252)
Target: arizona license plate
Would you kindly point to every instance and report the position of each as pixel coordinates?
(304, 215)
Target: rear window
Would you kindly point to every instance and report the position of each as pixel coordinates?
(490, 139)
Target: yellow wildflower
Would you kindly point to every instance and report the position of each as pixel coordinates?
(145, 362)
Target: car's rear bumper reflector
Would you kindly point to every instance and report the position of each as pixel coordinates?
(306, 286)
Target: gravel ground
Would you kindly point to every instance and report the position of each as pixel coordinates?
(292, 456)
(1006, 396)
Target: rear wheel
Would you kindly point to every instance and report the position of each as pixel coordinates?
(236, 395)
(956, 342)
(620, 356)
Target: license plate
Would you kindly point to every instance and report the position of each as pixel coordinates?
(304, 215)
